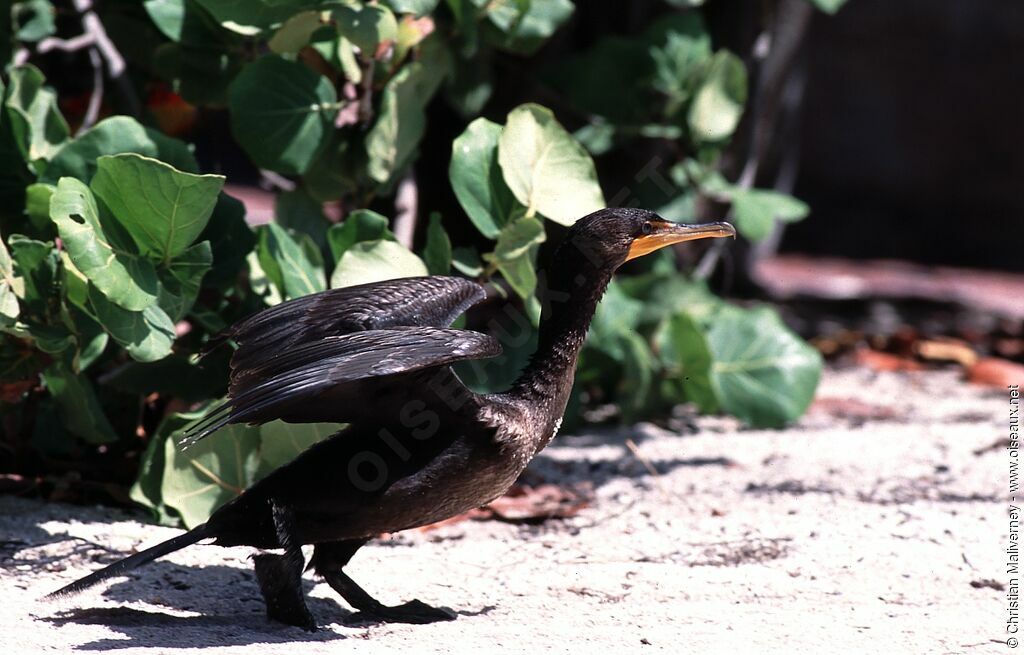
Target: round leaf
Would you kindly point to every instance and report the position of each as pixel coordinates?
(522, 27)
(415, 7)
(248, 16)
(38, 126)
(437, 252)
(546, 169)
(717, 109)
(123, 277)
(297, 269)
(146, 335)
(373, 261)
(281, 112)
(10, 287)
(756, 211)
(400, 125)
(760, 371)
(162, 208)
(477, 180)
(113, 136)
(366, 25)
(360, 225)
(296, 32)
(200, 479)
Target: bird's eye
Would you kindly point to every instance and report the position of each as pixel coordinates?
(646, 229)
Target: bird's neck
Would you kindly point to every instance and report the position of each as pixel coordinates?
(569, 297)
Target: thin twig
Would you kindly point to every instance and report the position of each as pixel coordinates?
(92, 111)
(406, 209)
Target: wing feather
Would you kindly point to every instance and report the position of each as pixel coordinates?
(413, 302)
(272, 388)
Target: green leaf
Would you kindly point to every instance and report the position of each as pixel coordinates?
(347, 61)
(634, 389)
(168, 16)
(400, 125)
(680, 48)
(79, 409)
(38, 126)
(91, 339)
(202, 57)
(416, 7)
(337, 170)
(719, 103)
(294, 268)
(685, 354)
(181, 279)
(147, 335)
(123, 277)
(281, 442)
(33, 20)
(35, 262)
(437, 253)
(515, 254)
(200, 479)
(296, 33)
(466, 260)
(366, 26)
(374, 261)
(11, 286)
(477, 179)
(37, 204)
(518, 237)
(360, 225)
(616, 314)
(146, 490)
(761, 372)
(756, 211)
(523, 26)
(663, 296)
(248, 16)
(162, 208)
(115, 135)
(828, 6)
(545, 168)
(281, 112)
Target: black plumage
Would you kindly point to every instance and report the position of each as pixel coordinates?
(419, 447)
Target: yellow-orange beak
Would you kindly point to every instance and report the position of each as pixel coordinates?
(666, 233)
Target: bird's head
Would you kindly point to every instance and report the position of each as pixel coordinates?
(609, 237)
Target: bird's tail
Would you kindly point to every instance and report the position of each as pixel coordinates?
(134, 561)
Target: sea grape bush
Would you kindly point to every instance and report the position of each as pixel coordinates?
(120, 257)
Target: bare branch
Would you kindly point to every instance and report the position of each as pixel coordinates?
(406, 209)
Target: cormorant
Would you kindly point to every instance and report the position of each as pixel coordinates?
(419, 447)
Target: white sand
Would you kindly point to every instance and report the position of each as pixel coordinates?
(836, 536)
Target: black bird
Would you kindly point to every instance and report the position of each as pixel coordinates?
(419, 447)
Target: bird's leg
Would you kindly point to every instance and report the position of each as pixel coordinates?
(280, 576)
(328, 560)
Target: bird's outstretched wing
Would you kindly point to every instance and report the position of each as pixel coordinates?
(323, 357)
(418, 301)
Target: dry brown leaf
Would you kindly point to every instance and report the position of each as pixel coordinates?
(879, 361)
(947, 349)
(996, 372)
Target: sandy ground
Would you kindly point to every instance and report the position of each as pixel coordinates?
(860, 530)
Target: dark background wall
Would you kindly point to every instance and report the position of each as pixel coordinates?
(912, 133)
